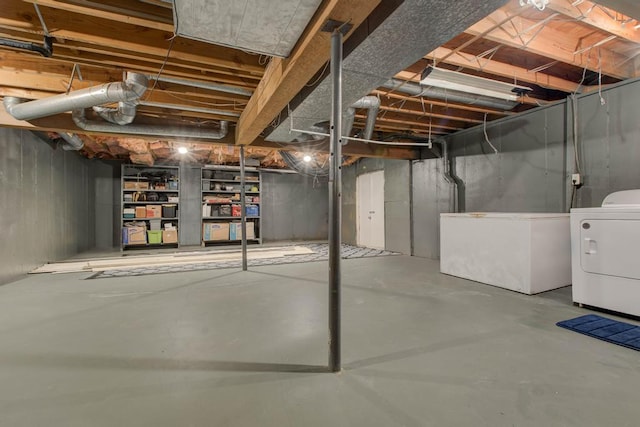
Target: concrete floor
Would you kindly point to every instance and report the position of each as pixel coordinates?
(227, 348)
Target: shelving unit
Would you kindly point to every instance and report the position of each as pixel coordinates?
(221, 205)
(149, 182)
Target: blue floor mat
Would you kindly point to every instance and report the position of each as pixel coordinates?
(624, 334)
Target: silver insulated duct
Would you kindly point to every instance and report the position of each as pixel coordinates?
(140, 129)
(371, 103)
(127, 91)
(72, 141)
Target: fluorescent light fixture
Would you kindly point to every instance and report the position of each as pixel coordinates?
(183, 150)
(467, 83)
(307, 158)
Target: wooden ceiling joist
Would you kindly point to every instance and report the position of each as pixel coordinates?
(550, 43)
(519, 74)
(593, 15)
(88, 29)
(106, 11)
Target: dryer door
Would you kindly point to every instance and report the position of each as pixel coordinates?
(610, 247)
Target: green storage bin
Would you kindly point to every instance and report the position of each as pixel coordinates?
(154, 237)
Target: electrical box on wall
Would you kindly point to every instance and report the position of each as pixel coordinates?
(576, 179)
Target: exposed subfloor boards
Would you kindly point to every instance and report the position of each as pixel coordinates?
(233, 348)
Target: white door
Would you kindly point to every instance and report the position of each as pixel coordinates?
(370, 208)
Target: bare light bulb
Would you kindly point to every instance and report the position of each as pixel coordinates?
(183, 150)
(307, 158)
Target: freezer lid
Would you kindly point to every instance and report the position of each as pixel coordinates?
(622, 199)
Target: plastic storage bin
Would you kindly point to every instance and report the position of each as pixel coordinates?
(154, 237)
(169, 211)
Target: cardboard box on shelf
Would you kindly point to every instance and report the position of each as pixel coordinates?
(141, 212)
(134, 236)
(136, 185)
(215, 231)
(235, 230)
(236, 210)
(170, 236)
(154, 211)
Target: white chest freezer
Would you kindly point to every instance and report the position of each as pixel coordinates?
(605, 253)
(523, 252)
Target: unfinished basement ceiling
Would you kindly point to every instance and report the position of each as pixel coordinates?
(268, 27)
(570, 46)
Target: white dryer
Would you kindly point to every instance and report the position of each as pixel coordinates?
(605, 253)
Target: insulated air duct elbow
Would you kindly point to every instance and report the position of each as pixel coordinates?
(72, 141)
(371, 103)
(127, 91)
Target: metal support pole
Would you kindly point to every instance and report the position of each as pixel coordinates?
(335, 202)
(243, 211)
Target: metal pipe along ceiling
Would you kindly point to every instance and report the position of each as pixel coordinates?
(135, 129)
(202, 85)
(129, 90)
(415, 89)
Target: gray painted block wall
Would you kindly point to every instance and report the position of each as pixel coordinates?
(46, 203)
(397, 201)
(531, 172)
(293, 207)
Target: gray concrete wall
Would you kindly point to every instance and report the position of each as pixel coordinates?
(294, 207)
(531, 172)
(46, 203)
(106, 184)
(190, 207)
(397, 201)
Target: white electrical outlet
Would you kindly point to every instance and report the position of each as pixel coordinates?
(576, 179)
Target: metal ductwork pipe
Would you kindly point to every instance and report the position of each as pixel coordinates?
(45, 50)
(123, 115)
(416, 89)
(446, 173)
(202, 85)
(371, 103)
(72, 141)
(134, 129)
(129, 90)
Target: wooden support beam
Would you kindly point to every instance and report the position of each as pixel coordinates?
(547, 42)
(285, 77)
(472, 62)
